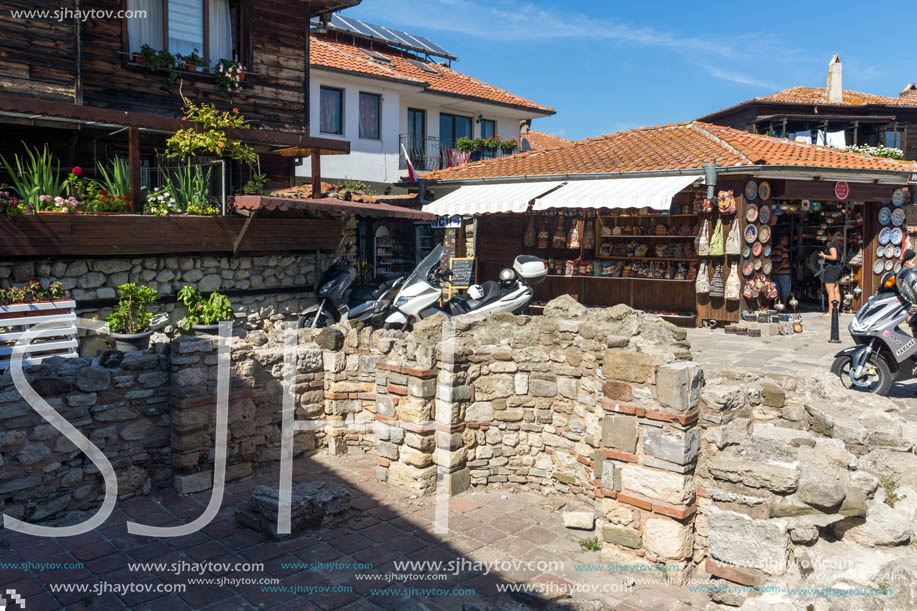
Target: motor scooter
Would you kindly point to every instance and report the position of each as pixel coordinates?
(368, 303)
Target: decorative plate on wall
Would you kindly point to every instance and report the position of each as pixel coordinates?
(897, 252)
(764, 190)
(751, 213)
(767, 267)
(756, 249)
(764, 215)
(898, 197)
(806, 204)
(889, 265)
(767, 250)
(751, 190)
(885, 236)
(896, 236)
(764, 234)
(890, 252)
(885, 215)
(751, 233)
(746, 252)
(758, 265)
(898, 217)
(749, 268)
(878, 267)
(880, 252)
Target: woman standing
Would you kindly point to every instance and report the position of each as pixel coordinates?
(831, 256)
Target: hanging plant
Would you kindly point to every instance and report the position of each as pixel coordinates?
(209, 135)
(229, 75)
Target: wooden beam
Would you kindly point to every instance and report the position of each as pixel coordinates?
(316, 174)
(242, 232)
(134, 164)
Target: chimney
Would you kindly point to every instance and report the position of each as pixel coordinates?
(834, 91)
(909, 93)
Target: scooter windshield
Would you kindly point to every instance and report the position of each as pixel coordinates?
(423, 268)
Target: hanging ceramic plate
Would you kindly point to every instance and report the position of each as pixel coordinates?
(764, 234)
(751, 190)
(758, 265)
(806, 204)
(756, 249)
(749, 268)
(896, 236)
(878, 267)
(767, 267)
(898, 217)
(890, 252)
(746, 252)
(764, 190)
(764, 215)
(751, 213)
(885, 215)
(880, 252)
(898, 197)
(889, 265)
(751, 232)
(767, 250)
(898, 252)
(885, 236)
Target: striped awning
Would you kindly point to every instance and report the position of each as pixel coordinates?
(655, 192)
(483, 199)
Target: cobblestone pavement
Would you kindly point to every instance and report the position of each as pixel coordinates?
(387, 525)
(781, 354)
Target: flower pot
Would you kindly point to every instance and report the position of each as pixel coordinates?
(139, 58)
(241, 77)
(132, 342)
(206, 330)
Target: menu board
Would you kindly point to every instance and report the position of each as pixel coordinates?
(462, 271)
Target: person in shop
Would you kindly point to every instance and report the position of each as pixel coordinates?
(831, 275)
(782, 272)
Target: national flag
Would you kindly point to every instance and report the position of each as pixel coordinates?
(411, 174)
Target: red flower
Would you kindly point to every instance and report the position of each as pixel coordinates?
(103, 192)
(77, 170)
(183, 118)
(220, 144)
(235, 110)
(127, 205)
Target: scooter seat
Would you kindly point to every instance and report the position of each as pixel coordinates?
(462, 304)
(372, 290)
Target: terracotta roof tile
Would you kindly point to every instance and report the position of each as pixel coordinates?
(816, 95)
(540, 141)
(327, 52)
(676, 146)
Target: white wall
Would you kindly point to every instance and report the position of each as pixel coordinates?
(377, 160)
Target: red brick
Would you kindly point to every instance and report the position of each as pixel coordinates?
(679, 513)
(619, 455)
(599, 493)
(702, 492)
(614, 406)
(317, 384)
(417, 372)
(366, 396)
(336, 395)
(736, 574)
(382, 366)
(609, 494)
(684, 419)
(635, 501)
(383, 462)
(584, 461)
(395, 389)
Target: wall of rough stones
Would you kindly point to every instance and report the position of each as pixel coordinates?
(120, 402)
(802, 482)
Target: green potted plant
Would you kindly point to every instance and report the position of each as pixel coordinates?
(160, 61)
(508, 146)
(204, 315)
(465, 145)
(194, 62)
(130, 323)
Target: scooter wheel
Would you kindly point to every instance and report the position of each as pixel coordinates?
(325, 320)
(711, 324)
(879, 382)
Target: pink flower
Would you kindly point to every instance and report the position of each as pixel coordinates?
(77, 170)
(44, 198)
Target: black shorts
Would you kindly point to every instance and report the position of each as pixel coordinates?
(832, 274)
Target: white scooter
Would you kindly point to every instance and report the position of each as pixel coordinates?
(421, 291)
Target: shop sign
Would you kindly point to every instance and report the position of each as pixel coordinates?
(447, 222)
(841, 190)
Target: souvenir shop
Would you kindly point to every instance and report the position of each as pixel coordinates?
(706, 261)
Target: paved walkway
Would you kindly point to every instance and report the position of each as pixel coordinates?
(387, 525)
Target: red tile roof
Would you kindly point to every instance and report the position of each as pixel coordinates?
(328, 53)
(540, 141)
(676, 146)
(816, 95)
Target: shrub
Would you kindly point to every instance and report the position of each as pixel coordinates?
(132, 314)
(202, 311)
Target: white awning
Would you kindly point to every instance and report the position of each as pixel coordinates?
(481, 199)
(656, 192)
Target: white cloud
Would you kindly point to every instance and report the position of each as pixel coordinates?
(738, 77)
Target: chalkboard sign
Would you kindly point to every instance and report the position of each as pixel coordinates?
(462, 271)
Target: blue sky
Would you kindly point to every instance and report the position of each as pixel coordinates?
(606, 66)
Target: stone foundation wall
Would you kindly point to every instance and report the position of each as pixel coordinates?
(795, 476)
(121, 404)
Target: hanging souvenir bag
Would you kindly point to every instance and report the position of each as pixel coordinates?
(733, 286)
(726, 202)
(702, 243)
(528, 239)
(560, 236)
(588, 238)
(544, 236)
(716, 241)
(716, 283)
(573, 236)
(702, 284)
(733, 245)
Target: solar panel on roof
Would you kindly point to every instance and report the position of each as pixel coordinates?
(389, 36)
(423, 66)
(373, 55)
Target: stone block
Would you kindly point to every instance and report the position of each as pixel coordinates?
(738, 539)
(668, 539)
(616, 512)
(618, 391)
(619, 431)
(479, 412)
(822, 482)
(456, 482)
(385, 406)
(627, 366)
(418, 481)
(416, 458)
(773, 395)
(658, 485)
(425, 441)
(387, 450)
(415, 409)
(758, 464)
(608, 475)
(521, 381)
(511, 414)
(679, 447)
(422, 388)
(194, 482)
(92, 379)
(678, 385)
(579, 520)
(622, 536)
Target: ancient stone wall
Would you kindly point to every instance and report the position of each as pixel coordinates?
(803, 482)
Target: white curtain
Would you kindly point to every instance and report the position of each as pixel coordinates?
(220, 31)
(186, 26)
(144, 26)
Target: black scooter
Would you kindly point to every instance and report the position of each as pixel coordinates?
(368, 303)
